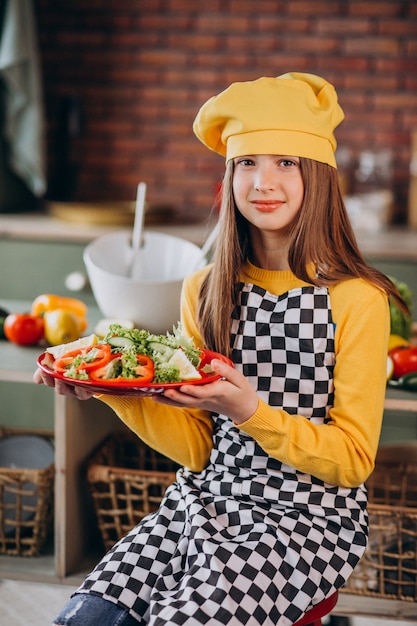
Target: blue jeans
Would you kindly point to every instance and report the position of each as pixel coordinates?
(85, 609)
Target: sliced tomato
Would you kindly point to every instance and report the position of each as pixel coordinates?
(145, 372)
(101, 358)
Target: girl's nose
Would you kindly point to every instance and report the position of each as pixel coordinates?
(264, 180)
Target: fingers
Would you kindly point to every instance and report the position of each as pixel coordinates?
(37, 377)
(231, 395)
(40, 378)
(83, 394)
(66, 389)
(61, 387)
(227, 371)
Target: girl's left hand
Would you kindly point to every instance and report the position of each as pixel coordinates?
(232, 395)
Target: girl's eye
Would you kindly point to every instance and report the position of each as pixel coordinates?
(244, 162)
(288, 163)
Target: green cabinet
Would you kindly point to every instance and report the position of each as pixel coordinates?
(30, 268)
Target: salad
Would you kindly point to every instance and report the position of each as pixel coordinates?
(129, 355)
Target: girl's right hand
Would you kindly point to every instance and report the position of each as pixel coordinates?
(61, 387)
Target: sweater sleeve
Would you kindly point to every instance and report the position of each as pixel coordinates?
(183, 435)
(342, 451)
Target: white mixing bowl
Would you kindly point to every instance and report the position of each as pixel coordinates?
(145, 286)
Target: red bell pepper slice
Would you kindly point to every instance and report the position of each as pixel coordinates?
(102, 357)
(145, 372)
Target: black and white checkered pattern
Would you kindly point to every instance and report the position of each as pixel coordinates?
(283, 346)
(248, 541)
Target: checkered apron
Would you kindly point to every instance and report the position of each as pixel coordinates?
(249, 540)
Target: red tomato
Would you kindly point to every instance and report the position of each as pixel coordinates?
(404, 359)
(23, 328)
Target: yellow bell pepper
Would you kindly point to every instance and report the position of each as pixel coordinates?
(50, 302)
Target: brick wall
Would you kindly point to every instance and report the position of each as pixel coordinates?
(124, 80)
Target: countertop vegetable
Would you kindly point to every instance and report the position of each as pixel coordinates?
(49, 302)
(65, 318)
(23, 329)
(404, 359)
(3, 315)
(401, 324)
(408, 382)
(52, 319)
(62, 326)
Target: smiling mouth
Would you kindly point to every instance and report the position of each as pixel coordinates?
(267, 206)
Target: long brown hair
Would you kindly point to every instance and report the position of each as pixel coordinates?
(321, 236)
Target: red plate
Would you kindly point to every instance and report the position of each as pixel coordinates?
(131, 387)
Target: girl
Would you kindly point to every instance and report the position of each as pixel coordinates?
(268, 516)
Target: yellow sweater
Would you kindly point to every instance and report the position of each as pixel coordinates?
(340, 452)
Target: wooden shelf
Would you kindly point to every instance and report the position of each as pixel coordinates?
(400, 400)
(355, 605)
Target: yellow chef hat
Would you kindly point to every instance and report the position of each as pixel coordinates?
(293, 114)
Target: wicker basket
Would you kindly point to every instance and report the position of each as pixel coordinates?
(26, 503)
(127, 481)
(388, 568)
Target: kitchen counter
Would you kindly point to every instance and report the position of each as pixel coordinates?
(33, 239)
(44, 227)
(392, 242)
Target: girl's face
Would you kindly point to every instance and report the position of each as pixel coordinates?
(268, 190)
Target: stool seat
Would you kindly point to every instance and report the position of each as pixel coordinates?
(314, 615)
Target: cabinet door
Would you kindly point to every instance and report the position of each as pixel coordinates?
(25, 405)
(30, 268)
